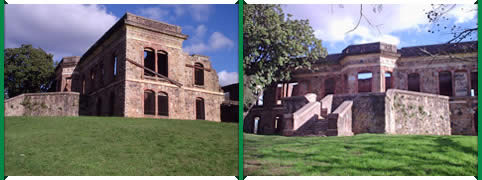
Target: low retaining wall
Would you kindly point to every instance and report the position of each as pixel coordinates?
(463, 115)
(398, 112)
(417, 113)
(43, 104)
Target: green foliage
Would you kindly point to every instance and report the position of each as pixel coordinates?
(274, 45)
(119, 146)
(361, 155)
(27, 70)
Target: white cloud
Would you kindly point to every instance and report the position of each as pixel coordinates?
(154, 13)
(332, 22)
(227, 78)
(200, 31)
(218, 40)
(215, 42)
(463, 13)
(200, 12)
(64, 30)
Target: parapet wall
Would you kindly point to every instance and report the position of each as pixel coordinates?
(43, 104)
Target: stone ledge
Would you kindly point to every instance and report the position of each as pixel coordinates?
(417, 93)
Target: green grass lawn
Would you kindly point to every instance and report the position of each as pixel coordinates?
(119, 146)
(366, 154)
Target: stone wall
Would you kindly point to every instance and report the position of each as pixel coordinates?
(410, 112)
(368, 111)
(462, 115)
(43, 104)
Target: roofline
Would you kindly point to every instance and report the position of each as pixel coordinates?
(124, 21)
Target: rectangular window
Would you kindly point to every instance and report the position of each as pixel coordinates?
(473, 83)
(414, 82)
(149, 62)
(365, 82)
(445, 83)
(162, 66)
(388, 80)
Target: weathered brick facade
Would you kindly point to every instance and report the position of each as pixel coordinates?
(138, 69)
(449, 70)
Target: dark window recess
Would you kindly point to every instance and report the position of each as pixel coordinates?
(112, 104)
(149, 103)
(445, 83)
(388, 80)
(200, 108)
(198, 74)
(365, 82)
(414, 82)
(102, 72)
(330, 86)
(162, 66)
(163, 104)
(473, 83)
(83, 85)
(99, 107)
(149, 62)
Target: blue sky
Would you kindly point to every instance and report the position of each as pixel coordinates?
(402, 25)
(69, 30)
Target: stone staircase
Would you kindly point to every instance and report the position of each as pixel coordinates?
(322, 123)
(314, 127)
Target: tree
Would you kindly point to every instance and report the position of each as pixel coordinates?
(438, 17)
(27, 70)
(274, 45)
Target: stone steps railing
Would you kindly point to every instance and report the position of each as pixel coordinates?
(340, 121)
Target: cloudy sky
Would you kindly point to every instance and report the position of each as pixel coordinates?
(403, 25)
(69, 30)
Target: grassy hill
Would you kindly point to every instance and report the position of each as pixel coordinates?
(119, 146)
(366, 154)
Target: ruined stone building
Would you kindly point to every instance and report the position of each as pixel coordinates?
(376, 88)
(138, 69)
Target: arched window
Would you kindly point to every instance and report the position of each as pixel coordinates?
(329, 86)
(149, 61)
(388, 80)
(198, 74)
(200, 108)
(149, 102)
(445, 83)
(413, 82)
(162, 63)
(162, 104)
(365, 81)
